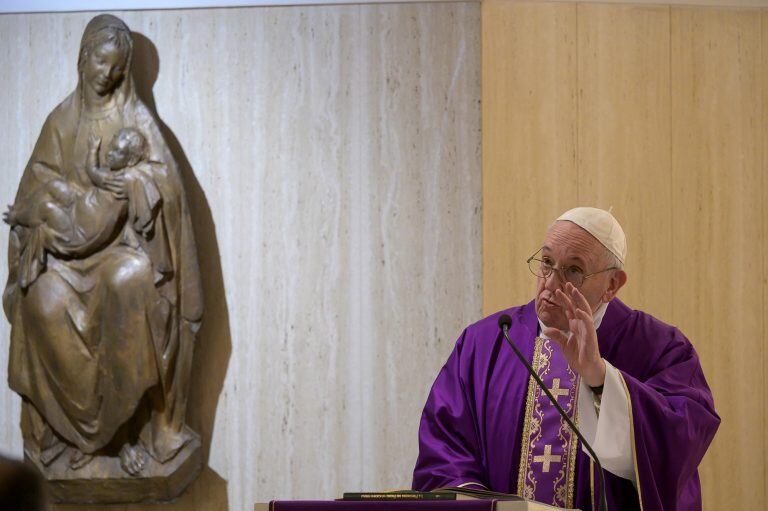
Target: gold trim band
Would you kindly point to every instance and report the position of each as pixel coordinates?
(632, 438)
(529, 402)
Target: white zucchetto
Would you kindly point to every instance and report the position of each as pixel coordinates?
(602, 225)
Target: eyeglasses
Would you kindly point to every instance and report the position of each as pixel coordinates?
(572, 274)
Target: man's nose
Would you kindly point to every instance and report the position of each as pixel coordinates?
(552, 281)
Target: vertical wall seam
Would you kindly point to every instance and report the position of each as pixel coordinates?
(671, 168)
(358, 234)
(483, 303)
(578, 106)
(764, 95)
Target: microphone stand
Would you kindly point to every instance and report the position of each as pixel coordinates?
(504, 322)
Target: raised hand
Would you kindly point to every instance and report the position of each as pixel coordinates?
(94, 142)
(580, 348)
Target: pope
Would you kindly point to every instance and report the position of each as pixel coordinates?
(633, 383)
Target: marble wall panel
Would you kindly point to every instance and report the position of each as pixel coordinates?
(332, 158)
(434, 215)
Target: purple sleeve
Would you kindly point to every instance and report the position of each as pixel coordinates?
(449, 451)
(673, 423)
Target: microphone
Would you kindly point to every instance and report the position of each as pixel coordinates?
(504, 323)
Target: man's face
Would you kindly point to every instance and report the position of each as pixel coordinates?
(568, 245)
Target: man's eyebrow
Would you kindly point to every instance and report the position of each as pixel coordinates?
(576, 259)
(580, 261)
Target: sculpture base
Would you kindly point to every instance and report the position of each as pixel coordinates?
(103, 481)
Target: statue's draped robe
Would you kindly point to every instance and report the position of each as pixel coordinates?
(472, 425)
(92, 333)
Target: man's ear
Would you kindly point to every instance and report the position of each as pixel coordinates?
(616, 282)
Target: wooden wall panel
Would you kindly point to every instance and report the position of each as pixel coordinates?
(764, 216)
(671, 128)
(717, 220)
(529, 138)
(623, 138)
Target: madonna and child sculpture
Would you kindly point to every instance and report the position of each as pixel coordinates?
(104, 292)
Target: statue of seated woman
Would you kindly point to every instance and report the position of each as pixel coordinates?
(104, 308)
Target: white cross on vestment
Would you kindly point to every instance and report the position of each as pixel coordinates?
(547, 458)
(556, 390)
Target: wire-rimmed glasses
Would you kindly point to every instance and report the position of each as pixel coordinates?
(572, 274)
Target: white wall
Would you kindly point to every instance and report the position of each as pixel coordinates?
(334, 172)
(26, 6)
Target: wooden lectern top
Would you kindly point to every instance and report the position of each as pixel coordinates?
(423, 505)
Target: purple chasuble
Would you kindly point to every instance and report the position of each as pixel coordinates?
(473, 425)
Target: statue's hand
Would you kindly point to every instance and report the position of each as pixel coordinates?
(59, 244)
(99, 176)
(115, 182)
(10, 216)
(94, 143)
(111, 181)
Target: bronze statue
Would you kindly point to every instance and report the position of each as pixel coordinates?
(104, 294)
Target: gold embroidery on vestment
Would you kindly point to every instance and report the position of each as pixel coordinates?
(556, 391)
(632, 437)
(563, 484)
(573, 447)
(547, 458)
(592, 483)
(527, 421)
(564, 491)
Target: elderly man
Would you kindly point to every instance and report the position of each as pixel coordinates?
(634, 383)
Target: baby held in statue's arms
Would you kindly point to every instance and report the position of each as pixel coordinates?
(79, 220)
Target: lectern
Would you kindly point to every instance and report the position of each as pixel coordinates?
(422, 505)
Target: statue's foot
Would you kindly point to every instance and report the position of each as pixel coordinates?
(163, 443)
(47, 456)
(79, 459)
(133, 458)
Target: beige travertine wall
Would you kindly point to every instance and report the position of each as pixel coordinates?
(659, 111)
(334, 168)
